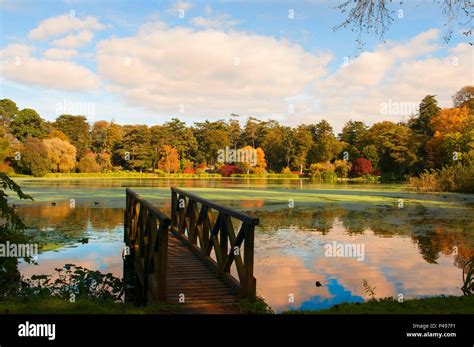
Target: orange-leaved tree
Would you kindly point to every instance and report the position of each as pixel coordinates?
(169, 159)
(452, 135)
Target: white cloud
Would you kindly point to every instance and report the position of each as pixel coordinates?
(396, 72)
(62, 24)
(212, 73)
(19, 65)
(74, 40)
(215, 20)
(59, 54)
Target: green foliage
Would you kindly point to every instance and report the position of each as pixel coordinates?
(211, 137)
(41, 304)
(258, 306)
(26, 123)
(276, 144)
(301, 143)
(8, 110)
(326, 147)
(134, 152)
(432, 305)
(76, 129)
(353, 133)
(427, 110)
(456, 178)
(72, 280)
(392, 177)
(370, 153)
(396, 145)
(11, 229)
(342, 168)
(323, 172)
(371, 178)
(397, 150)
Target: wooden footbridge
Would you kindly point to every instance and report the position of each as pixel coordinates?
(195, 258)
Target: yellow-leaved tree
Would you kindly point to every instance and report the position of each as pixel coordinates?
(61, 154)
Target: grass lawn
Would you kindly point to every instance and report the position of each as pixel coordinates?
(433, 305)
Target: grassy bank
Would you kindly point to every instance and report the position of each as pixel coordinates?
(50, 305)
(433, 305)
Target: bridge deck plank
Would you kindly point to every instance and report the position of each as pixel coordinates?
(203, 291)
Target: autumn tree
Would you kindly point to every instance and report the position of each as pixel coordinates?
(261, 166)
(61, 153)
(342, 168)
(8, 111)
(76, 129)
(88, 164)
(361, 167)
(453, 130)
(58, 134)
(169, 159)
(99, 136)
(34, 157)
(464, 98)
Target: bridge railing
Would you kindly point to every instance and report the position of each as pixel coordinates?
(146, 235)
(206, 227)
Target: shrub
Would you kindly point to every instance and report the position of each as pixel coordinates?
(286, 170)
(322, 172)
(88, 164)
(456, 178)
(328, 176)
(227, 170)
(342, 168)
(361, 167)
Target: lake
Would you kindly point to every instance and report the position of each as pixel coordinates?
(413, 244)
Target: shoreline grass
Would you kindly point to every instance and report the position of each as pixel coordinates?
(430, 305)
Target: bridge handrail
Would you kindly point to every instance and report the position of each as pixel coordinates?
(196, 226)
(146, 235)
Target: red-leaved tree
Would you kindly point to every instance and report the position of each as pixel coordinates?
(361, 167)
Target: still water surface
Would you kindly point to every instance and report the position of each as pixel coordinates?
(414, 244)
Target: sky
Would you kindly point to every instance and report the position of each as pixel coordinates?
(145, 62)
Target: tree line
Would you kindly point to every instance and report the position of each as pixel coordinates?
(431, 139)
